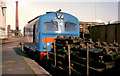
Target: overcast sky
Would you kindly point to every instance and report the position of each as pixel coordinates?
(89, 10)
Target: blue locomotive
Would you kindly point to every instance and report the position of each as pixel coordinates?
(44, 29)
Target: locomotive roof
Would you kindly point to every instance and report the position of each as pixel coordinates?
(39, 16)
(47, 13)
(34, 19)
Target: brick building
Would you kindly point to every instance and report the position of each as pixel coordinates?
(10, 33)
(84, 27)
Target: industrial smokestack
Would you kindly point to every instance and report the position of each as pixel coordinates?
(17, 25)
(8, 31)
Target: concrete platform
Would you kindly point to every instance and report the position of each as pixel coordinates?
(9, 40)
(16, 63)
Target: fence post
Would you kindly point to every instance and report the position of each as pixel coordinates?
(55, 52)
(99, 42)
(114, 41)
(69, 60)
(87, 59)
(47, 51)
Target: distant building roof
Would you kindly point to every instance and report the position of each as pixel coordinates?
(92, 23)
(116, 22)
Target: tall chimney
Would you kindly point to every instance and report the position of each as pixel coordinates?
(8, 31)
(17, 26)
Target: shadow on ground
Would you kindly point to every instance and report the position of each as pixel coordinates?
(20, 52)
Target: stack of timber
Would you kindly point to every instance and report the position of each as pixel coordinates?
(102, 56)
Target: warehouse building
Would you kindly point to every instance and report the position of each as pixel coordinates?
(2, 19)
(109, 33)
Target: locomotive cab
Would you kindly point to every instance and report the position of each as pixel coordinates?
(44, 29)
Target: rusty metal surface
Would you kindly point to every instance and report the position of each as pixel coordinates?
(118, 34)
(107, 33)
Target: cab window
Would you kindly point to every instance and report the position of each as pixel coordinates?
(70, 26)
(50, 26)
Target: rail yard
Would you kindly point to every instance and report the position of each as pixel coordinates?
(76, 56)
(65, 53)
(61, 51)
(57, 43)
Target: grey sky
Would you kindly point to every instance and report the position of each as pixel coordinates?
(84, 11)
